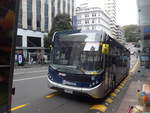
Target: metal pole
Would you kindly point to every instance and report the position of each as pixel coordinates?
(130, 109)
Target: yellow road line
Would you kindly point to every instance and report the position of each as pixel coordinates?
(117, 90)
(135, 66)
(122, 84)
(120, 87)
(113, 95)
(109, 100)
(101, 108)
(52, 95)
(19, 107)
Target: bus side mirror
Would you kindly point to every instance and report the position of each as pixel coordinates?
(105, 49)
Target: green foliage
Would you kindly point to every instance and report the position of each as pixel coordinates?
(60, 22)
(47, 42)
(131, 33)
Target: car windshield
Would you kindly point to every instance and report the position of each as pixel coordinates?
(77, 56)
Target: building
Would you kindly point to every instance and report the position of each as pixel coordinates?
(120, 34)
(92, 18)
(35, 21)
(110, 6)
(144, 22)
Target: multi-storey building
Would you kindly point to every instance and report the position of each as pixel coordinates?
(35, 21)
(120, 34)
(144, 22)
(92, 18)
(110, 7)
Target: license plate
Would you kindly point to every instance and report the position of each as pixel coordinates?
(68, 91)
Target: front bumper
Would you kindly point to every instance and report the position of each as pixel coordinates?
(95, 92)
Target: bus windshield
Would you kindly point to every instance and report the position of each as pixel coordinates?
(78, 57)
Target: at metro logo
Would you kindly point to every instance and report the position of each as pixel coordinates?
(62, 74)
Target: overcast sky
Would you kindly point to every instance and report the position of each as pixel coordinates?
(126, 10)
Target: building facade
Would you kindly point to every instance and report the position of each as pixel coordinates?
(92, 18)
(120, 34)
(35, 21)
(144, 22)
(110, 6)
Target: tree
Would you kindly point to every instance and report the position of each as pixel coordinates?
(131, 33)
(60, 22)
(46, 42)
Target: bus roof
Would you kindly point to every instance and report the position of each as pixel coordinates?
(78, 35)
(87, 36)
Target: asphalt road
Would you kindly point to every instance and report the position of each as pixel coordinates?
(33, 96)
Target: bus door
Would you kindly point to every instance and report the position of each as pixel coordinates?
(111, 74)
(108, 74)
(106, 52)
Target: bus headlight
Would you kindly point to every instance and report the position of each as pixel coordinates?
(93, 83)
(90, 85)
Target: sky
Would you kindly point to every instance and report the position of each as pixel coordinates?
(126, 10)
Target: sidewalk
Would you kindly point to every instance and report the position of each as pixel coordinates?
(30, 66)
(130, 98)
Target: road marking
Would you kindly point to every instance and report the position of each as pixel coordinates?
(30, 72)
(109, 100)
(120, 87)
(17, 80)
(113, 95)
(52, 95)
(122, 84)
(101, 108)
(19, 107)
(117, 90)
(135, 66)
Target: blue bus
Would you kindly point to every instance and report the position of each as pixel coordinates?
(87, 63)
